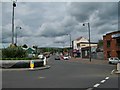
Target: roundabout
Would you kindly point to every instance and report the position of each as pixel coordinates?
(10, 64)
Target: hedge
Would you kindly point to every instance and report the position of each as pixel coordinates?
(13, 52)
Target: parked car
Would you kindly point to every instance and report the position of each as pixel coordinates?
(57, 57)
(114, 60)
(40, 56)
(66, 57)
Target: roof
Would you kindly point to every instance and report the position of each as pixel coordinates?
(29, 48)
(115, 32)
(79, 38)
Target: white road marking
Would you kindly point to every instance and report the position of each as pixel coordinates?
(41, 77)
(89, 89)
(96, 85)
(107, 78)
(103, 81)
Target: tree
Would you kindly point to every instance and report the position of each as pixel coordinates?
(13, 52)
(100, 46)
(100, 43)
(35, 47)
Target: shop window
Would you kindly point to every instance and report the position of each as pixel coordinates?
(78, 45)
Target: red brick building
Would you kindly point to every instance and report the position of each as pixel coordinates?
(111, 44)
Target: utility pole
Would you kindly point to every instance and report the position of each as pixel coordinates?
(14, 5)
(70, 44)
(89, 39)
(16, 34)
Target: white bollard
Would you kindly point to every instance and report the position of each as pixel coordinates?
(44, 61)
(118, 66)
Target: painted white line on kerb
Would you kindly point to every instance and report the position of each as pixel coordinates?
(96, 85)
(107, 78)
(112, 71)
(103, 81)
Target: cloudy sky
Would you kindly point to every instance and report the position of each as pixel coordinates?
(48, 23)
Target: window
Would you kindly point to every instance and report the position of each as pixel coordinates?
(108, 54)
(78, 45)
(108, 43)
(118, 42)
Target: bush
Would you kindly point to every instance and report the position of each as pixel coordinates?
(13, 52)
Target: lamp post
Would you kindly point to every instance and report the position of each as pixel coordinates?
(16, 34)
(14, 5)
(70, 43)
(89, 39)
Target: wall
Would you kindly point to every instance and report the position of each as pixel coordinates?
(113, 46)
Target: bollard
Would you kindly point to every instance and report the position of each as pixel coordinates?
(31, 64)
(118, 66)
(44, 61)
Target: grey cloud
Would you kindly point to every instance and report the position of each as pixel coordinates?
(6, 40)
(106, 11)
(46, 21)
(106, 28)
(100, 15)
(7, 31)
(82, 11)
(51, 30)
(69, 21)
(58, 28)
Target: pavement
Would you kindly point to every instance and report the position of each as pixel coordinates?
(93, 61)
(117, 72)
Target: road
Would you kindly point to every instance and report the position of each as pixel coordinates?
(63, 74)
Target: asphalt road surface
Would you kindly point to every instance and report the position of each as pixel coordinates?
(63, 74)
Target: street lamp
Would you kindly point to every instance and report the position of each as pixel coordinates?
(14, 5)
(16, 34)
(89, 39)
(70, 43)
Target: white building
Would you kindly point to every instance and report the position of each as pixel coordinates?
(82, 42)
(79, 43)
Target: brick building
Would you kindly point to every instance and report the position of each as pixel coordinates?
(111, 44)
